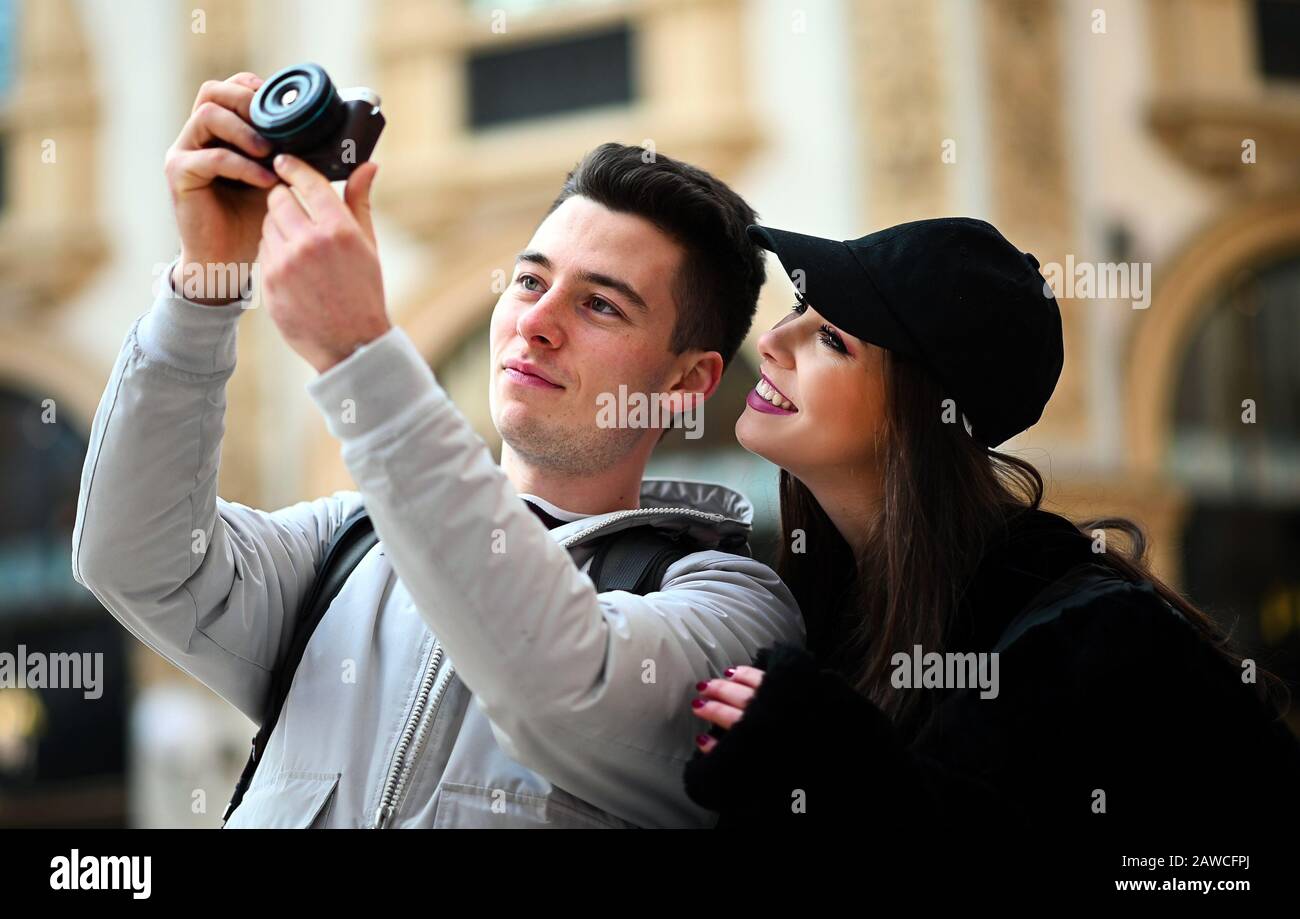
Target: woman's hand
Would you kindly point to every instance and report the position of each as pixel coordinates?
(723, 701)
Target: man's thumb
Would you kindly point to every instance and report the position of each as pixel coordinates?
(356, 194)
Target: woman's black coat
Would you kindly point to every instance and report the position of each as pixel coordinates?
(1113, 713)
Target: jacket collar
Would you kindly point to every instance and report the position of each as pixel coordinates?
(712, 514)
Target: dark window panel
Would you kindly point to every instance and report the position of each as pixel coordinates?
(554, 77)
(1277, 37)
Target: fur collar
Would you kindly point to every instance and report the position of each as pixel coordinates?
(1034, 550)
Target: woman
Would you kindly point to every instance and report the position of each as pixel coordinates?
(971, 656)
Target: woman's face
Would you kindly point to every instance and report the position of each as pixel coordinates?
(833, 385)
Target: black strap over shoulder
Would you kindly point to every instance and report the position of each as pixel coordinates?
(636, 559)
(350, 543)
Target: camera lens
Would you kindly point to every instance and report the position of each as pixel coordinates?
(296, 107)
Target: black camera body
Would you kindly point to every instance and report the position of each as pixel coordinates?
(299, 111)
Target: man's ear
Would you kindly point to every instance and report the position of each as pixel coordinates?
(701, 374)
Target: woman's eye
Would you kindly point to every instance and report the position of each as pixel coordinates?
(832, 340)
(798, 307)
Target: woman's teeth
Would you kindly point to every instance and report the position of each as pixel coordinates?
(771, 395)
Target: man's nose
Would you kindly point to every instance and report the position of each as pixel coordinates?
(542, 322)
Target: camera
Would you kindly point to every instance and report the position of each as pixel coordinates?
(300, 112)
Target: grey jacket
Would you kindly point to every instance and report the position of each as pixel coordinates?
(468, 674)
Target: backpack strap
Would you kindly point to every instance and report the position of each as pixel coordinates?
(350, 543)
(636, 559)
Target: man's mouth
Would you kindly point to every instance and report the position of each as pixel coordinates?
(524, 373)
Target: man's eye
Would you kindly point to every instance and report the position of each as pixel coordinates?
(613, 310)
(526, 279)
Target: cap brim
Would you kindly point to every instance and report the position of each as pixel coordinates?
(836, 285)
(762, 236)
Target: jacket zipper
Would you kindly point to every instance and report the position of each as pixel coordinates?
(401, 761)
(430, 696)
(426, 725)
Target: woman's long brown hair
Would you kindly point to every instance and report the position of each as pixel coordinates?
(943, 497)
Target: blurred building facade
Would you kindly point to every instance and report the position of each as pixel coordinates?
(1161, 133)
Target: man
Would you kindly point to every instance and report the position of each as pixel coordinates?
(467, 674)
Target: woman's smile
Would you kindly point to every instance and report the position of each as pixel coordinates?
(765, 397)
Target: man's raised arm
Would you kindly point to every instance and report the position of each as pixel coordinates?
(211, 585)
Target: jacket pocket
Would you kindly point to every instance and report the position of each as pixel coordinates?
(473, 806)
(289, 801)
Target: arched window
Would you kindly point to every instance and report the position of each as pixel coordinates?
(1236, 449)
(1237, 402)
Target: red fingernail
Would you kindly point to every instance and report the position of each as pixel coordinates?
(702, 685)
(697, 703)
(730, 671)
(701, 739)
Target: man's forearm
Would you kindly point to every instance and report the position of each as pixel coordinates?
(156, 436)
(153, 540)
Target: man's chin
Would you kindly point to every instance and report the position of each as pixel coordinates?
(526, 430)
(511, 412)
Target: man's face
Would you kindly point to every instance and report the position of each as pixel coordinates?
(589, 307)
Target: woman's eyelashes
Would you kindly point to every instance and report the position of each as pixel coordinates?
(829, 337)
(832, 340)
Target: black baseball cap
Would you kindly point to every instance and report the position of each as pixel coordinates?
(952, 293)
